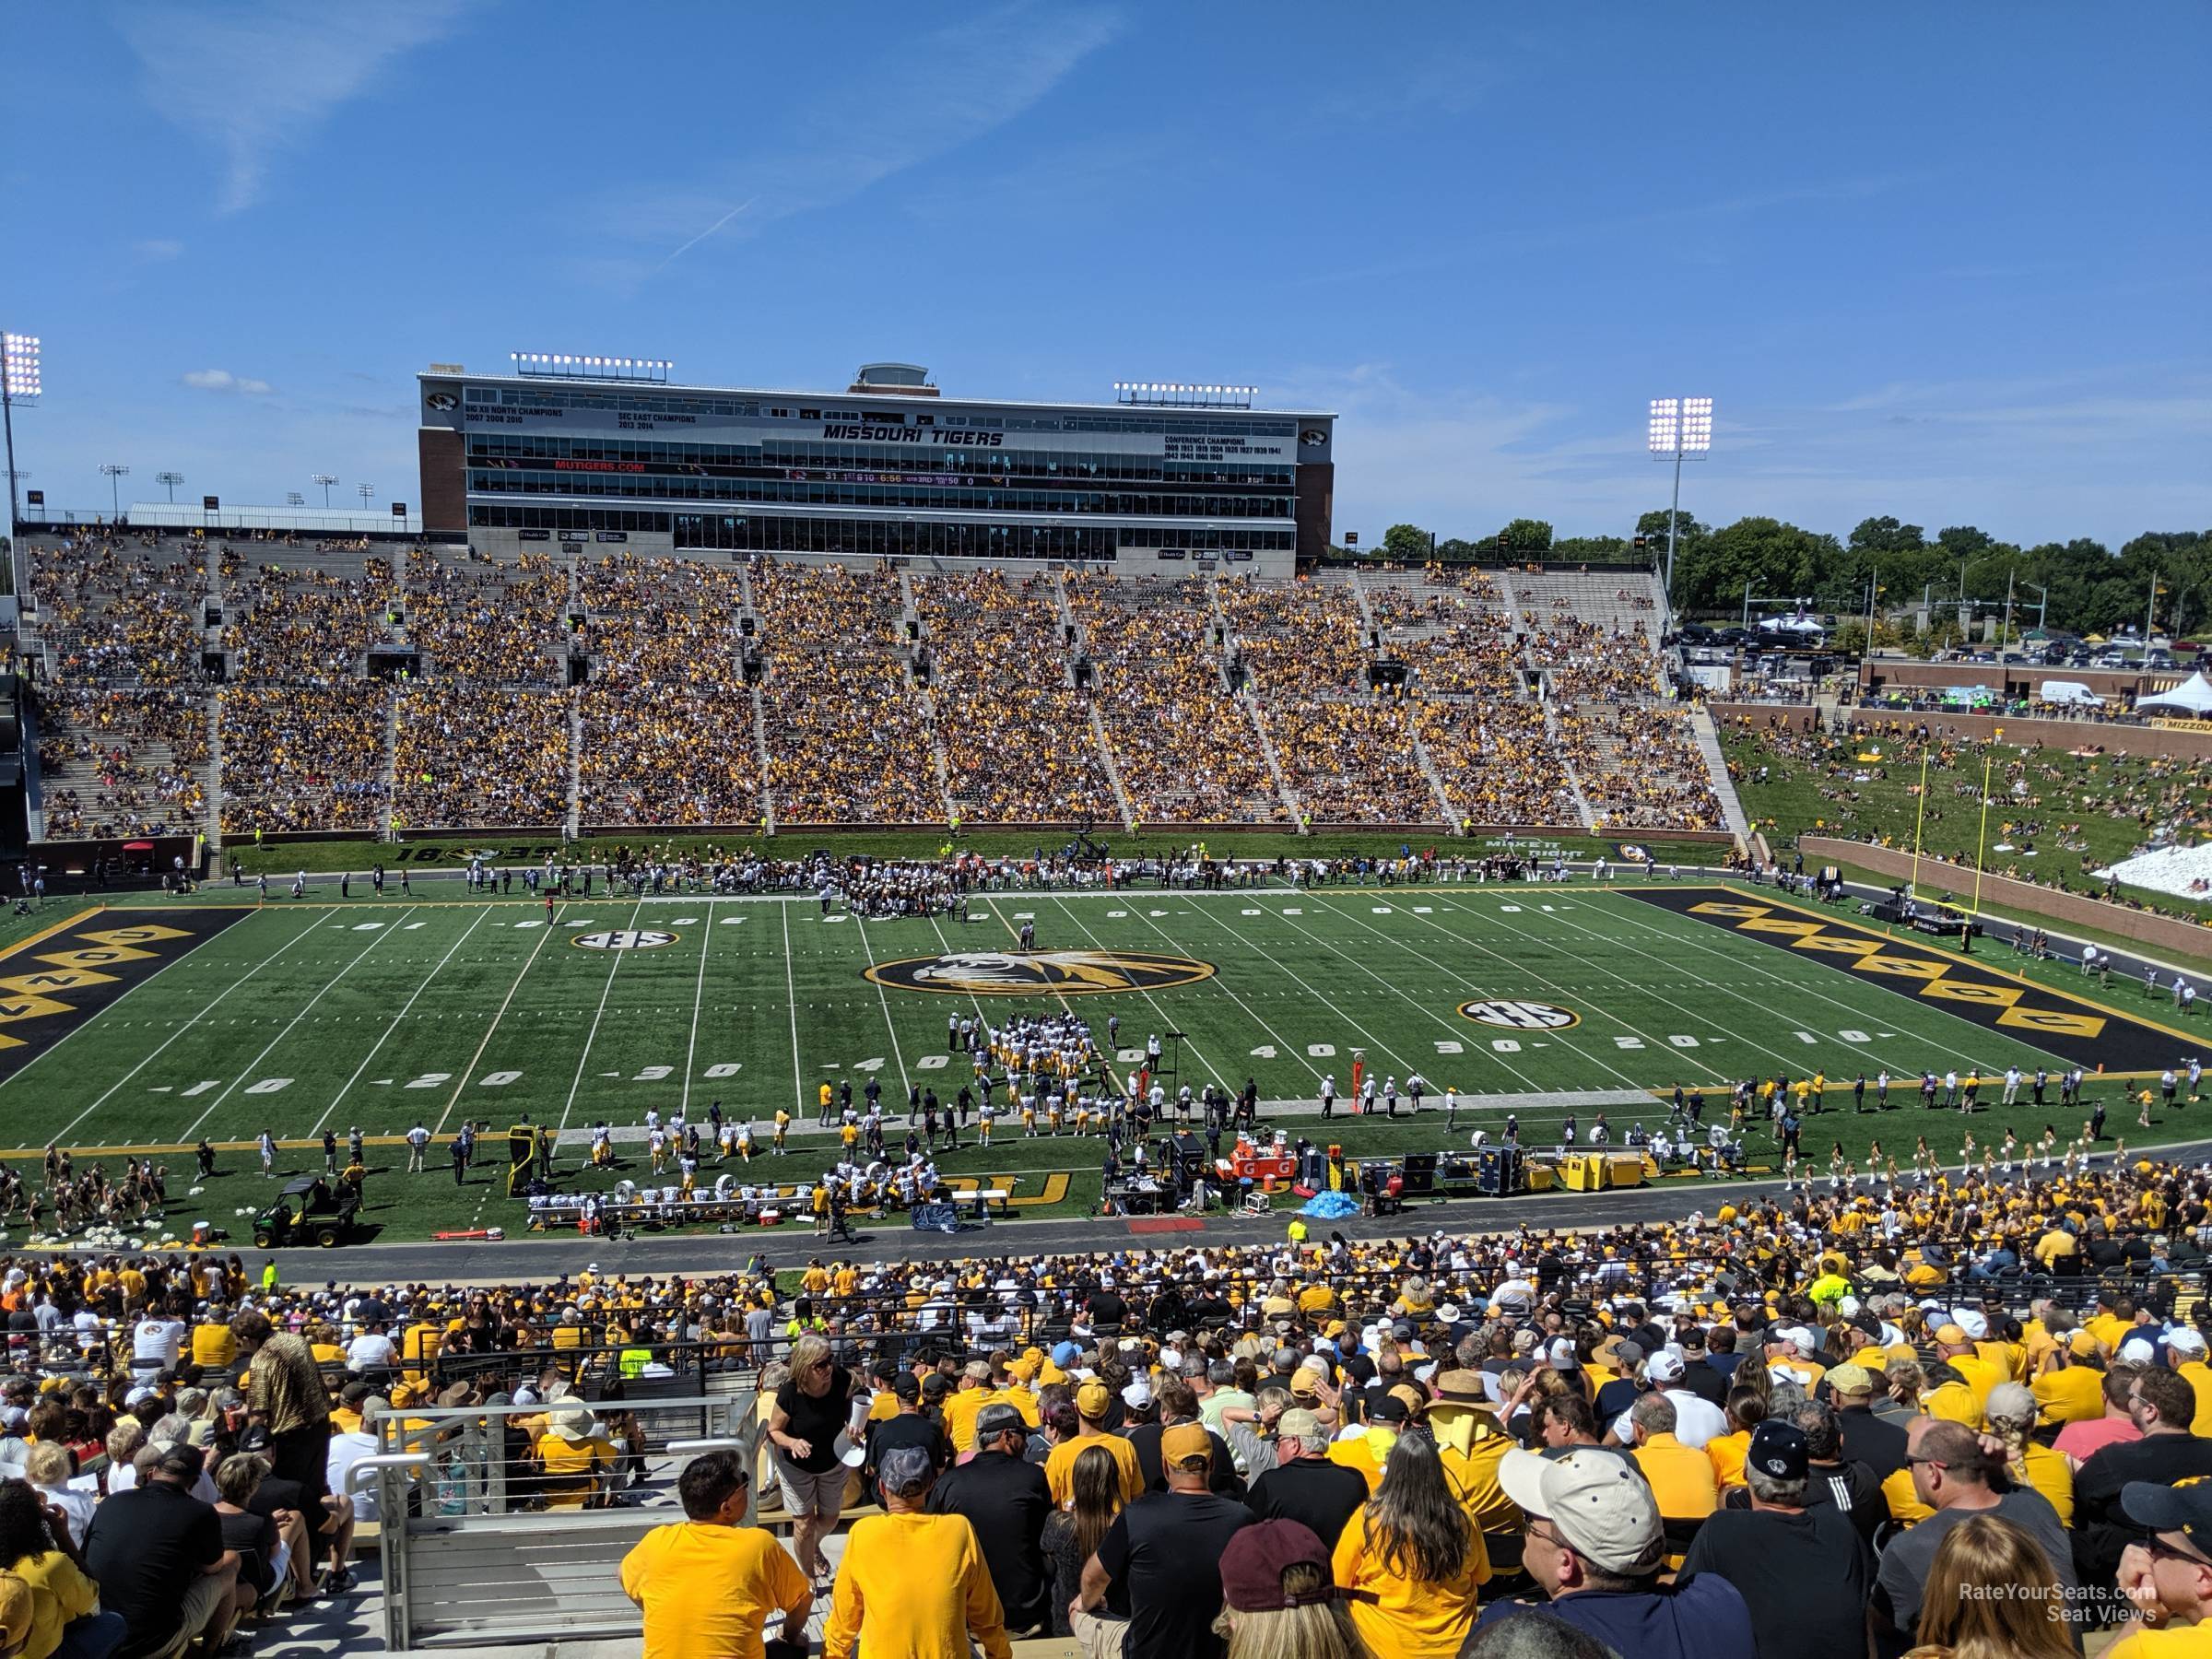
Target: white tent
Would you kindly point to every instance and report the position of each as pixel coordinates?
(2193, 696)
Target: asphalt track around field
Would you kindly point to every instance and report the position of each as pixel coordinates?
(537, 1258)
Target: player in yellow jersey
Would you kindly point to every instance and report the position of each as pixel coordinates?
(782, 1127)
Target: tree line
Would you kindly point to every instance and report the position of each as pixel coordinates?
(2092, 588)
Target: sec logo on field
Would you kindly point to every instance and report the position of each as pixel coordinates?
(624, 938)
(1518, 1015)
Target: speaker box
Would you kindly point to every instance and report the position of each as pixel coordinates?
(1420, 1174)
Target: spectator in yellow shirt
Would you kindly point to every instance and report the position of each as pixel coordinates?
(1412, 1560)
(1094, 1404)
(709, 1583)
(913, 1585)
(575, 1457)
(2070, 1388)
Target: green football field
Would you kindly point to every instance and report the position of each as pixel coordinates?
(153, 1026)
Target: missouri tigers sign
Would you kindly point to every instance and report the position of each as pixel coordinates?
(1039, 972)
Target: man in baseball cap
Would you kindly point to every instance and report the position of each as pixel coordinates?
(1595, 1544)
(1094, 1402)
(1164, 1553)
(2168, 1577)
(1804, 1573)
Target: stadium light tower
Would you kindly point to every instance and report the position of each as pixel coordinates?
(364, 491)
(18, 383)
(292, 498)
(169, 481)
(1681, 428)
(116, 472)
(326, 480)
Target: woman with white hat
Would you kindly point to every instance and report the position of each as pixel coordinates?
(573, 1453)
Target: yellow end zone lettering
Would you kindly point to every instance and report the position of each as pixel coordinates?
(56, 978)
(1836, 945)
(13, 1008)
(145, 934)
(1710, 909)
(1775, 925)
(2057, 1021)
(1921, 968)
(98, 956)
(1967, 991)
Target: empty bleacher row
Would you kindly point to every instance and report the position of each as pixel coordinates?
(279, 688)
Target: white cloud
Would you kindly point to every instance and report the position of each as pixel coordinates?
(981, 73)
(159, 248)
(258, 79)
(222, 380)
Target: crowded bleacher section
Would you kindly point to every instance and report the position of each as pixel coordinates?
(1831, 1423)
(742, 696)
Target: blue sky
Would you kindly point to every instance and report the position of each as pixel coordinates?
(1947, 262)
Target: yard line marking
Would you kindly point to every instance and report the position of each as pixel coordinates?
(791, 997)
(691, 1052)
(1290, 1049)
(1698, 940)
(1372, 1041)
(1191, 1047)
(897, 1053)
(1788, 1063)
(396, 1019)
(1549, 985)
(592, 1035)
(270, 1046)
(462, 1082)
(179, 1031)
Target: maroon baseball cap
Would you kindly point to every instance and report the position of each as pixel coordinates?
(1254, 1563)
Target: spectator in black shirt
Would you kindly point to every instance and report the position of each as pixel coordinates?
(1179, 1404)
(157, 1553)
(2162, 1404)
(1874, 1441)
(1304, 1486)
(912, 1426)
(1166, 1549)
(1005, 1498)
(1803, 1571)
(1700, 1375)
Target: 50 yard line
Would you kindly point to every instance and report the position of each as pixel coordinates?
(591, 1036)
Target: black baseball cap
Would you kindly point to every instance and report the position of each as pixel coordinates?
(1777, 1451)
(2184, 1507)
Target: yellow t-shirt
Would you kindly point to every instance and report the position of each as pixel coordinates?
(912, 1587)
(709, 1590)
(2190, 1642)
(960, 1411)
(569, 1467)
(1727, 1453)
(213, 1347)
(1408, 1619)
(1903, 1498)
(1474, 1477)
(2200, 1380)
(2073, 1396)
(1681, 1477)
(1060, 1465)
(59, 1593)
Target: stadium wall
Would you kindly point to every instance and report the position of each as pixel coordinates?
(2162, 933)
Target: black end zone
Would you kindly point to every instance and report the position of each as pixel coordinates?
(2083, 1033)
(55, 981)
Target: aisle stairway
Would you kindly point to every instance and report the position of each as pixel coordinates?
(1708, 738)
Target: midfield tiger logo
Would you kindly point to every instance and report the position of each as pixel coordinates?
(1039, 972)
